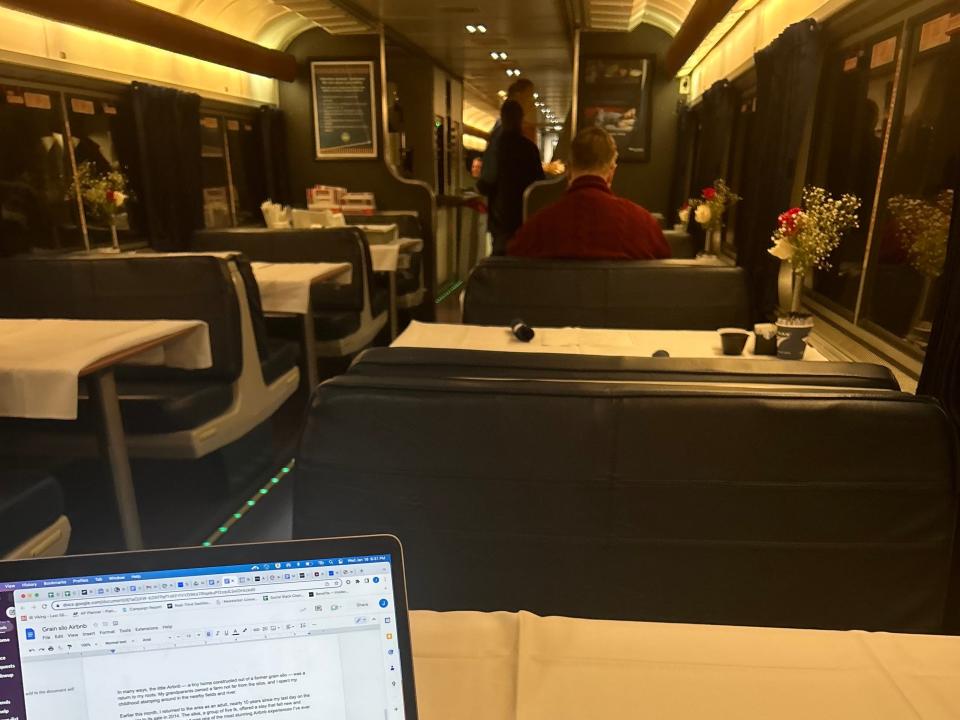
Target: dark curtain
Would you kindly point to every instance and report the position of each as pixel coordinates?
(687, 124)
(788, 72)
(167, 176)
(718, 113)
(941, 369)
(272, 130)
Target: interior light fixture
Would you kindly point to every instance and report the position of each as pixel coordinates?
(503, 55)
(536, 96)
(472, 29)
(481, 28)
(502, 93)
(494, 55)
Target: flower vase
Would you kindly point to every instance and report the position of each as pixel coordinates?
(114, 238)
(796, 295)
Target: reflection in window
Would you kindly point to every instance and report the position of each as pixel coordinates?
(246, 170)
(34, 171)
(914, 216)
(860, 84)
(741, 164)
(98, 141)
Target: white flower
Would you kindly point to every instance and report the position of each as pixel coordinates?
(783, 249)
(703, 214)
(119, 199)
(684, 215)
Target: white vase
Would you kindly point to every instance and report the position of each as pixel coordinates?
(114, 237)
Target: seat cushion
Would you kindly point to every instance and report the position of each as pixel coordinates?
(336, 325)
(164, 407)
(29, 502)
(280, 359)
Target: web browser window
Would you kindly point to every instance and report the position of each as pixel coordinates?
(288, 640)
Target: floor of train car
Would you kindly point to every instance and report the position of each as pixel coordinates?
(186, 502)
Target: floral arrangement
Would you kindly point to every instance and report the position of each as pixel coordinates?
(708, 210)
(103, 195)
(806, 236)
(922, 228)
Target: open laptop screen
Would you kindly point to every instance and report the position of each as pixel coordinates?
(285, 639)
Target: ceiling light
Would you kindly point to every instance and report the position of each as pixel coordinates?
(494, 55)
(481, 28)
(536, 96)
(513, 72)
(471, 29)
(503, 55)
(502, 93)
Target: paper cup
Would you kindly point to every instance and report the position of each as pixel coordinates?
(792, 341)
(734, 340)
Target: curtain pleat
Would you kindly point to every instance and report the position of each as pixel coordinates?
(788, 72)
(718, 113)
(167, 176)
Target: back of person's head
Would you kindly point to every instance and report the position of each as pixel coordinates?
(518, 89)
(593, 152)
(511, 116)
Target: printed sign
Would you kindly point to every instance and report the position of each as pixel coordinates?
(344, 115)
(82, 107)
(39, 101)
(14, 98)
(935, 33)
(210, 123)
(109, 109)
(884, 53)
(233, 125)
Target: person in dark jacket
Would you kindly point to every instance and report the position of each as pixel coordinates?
(518, 167)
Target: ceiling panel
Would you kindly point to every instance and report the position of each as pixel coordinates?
(625, 15)
(533, 33)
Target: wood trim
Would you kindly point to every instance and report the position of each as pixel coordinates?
(703, 17)
(148, 25)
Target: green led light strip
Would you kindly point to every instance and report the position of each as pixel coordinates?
(249, 504)
(448, 291)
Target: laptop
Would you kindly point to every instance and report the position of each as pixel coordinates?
(289, 630)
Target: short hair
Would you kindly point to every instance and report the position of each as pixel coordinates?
(511, 115)
(519, 87)
(592, 149)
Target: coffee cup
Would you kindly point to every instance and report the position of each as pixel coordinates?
(766, 343)
(734, 340)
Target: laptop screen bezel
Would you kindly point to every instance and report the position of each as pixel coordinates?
(202, 557)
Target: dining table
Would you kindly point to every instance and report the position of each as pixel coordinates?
(519, 666)
(579, 341)
(42, 362)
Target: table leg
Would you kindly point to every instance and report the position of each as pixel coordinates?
(310, 351)
(113, 447)
(393, 305)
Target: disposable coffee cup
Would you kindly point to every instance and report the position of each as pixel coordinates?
(733, 340)
(792, 341)
(766, 342)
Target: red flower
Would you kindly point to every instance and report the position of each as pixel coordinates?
(788, 220)
(709, 193)
(110, 196)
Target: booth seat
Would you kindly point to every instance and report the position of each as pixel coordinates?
(32, 520)
(640, 295)
(446, 363)
(410, 279)
(796, 507)
(347, 317)
(167, 413)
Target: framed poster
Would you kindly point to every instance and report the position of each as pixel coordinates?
(344, 109)
(616, 94)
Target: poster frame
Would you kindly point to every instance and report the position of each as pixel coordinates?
(367, 153)
(648, 91)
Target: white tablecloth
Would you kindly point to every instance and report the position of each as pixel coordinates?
(41, 360)
(285, 287)
(576, 341)
(502, 666)
(385, 258)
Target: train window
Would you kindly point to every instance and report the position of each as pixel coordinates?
(740, 167)
(215, 174)
(101, 142)
(856, 109)
(910, 241)
(34, 173)
(246, 170)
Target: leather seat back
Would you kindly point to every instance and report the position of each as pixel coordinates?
(791, 507)
(330, 245)
(132, 288)
(443, 363)
(657, 294)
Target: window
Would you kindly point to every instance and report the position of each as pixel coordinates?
(34, 174)
(886, 129)
(741, 165)
(246, 170)
(217, 203)
(913, 222)
(857, 107)
(101, 130)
